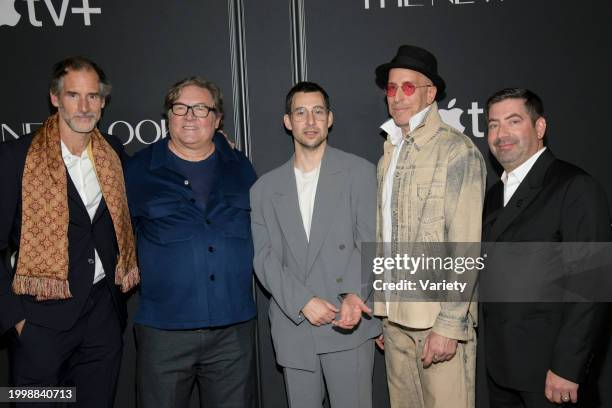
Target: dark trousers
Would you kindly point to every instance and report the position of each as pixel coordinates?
(502, 397)
(220, 361)
(87, 356)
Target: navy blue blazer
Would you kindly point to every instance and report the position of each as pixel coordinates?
(195, 264)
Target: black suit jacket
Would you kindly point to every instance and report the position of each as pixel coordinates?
(84, 235)
(556, 202)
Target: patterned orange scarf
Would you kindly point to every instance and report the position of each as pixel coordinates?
(42, 268)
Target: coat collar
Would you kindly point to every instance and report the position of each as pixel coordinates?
(498, 218)
(423, 133)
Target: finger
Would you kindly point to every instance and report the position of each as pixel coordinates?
(448, 356)
(347, 326)
(427, 360)
(330, 316)
(380, 341)
(574, 396)
(366, 309)
(425, 350)
(557, 397)
(331, 306)
(548, 393)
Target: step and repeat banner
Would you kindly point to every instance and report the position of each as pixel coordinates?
(256, 50)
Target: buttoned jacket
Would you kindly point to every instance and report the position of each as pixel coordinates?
(195, 264)
(294, 269)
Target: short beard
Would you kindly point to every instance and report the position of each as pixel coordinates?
(309, 147)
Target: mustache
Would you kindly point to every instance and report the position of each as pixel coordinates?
(505, 140)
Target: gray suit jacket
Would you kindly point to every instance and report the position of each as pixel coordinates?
(294, 270)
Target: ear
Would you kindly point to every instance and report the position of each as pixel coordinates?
(54, 99)
(218, 118)
(540, 127)
(103, 104)
(330, 119)
(287, 122)
(432, 91)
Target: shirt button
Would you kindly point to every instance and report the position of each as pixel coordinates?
(211, 249)
(212, 277)
(186, 182)
(341, 247)
(91, 261)
(208, 221)
(192, 200)
(339, 280)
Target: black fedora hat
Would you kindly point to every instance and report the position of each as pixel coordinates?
(416, 59)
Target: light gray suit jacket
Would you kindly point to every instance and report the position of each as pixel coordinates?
(294, 270)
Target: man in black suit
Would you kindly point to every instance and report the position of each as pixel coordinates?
(537, 354)
(64, 217)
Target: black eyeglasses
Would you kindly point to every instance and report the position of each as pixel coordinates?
(199, 111)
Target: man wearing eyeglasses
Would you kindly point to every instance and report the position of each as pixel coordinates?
(309, 219)
(189, 201)
(431, 189)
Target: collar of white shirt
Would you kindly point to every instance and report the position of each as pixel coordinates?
(518, 175)
(395, 132)
(67, 156)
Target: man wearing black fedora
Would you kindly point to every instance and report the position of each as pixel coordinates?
(431, 189)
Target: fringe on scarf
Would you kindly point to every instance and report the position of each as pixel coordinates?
(42, 288)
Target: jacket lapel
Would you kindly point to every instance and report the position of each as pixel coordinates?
(99, 210)
(326, 201)
(522, 197)
(494, 204)
(73, 194)
(287, 208)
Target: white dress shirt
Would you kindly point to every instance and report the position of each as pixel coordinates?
(513, 179)
(307, 191)
(396, 138)
(83, 175)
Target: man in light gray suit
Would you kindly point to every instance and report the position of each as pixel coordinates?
(309, 219)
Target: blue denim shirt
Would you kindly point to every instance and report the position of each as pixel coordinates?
(195, 265)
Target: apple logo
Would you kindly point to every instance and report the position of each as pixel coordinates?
(8, 14)
(452, 116)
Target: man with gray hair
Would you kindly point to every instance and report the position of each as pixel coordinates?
(189, 198)
(64, 213)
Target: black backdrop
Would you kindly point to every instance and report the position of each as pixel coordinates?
(255, 50)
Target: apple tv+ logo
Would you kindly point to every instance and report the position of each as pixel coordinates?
(10, 17)
(8, 14)
(452, 116)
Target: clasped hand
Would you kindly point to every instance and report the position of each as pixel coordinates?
(319, 311)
